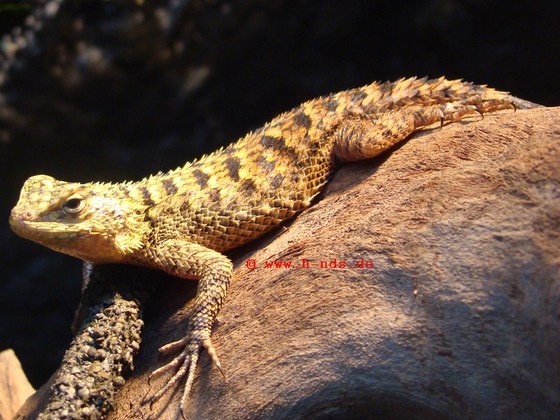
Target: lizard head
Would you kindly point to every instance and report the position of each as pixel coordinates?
(87, 221)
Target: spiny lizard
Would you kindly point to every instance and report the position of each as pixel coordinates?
(181, 221)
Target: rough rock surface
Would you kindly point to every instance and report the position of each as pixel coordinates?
(108, 325)
(459, 317)
(14, 386)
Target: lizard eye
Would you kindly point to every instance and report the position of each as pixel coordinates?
(74, 204)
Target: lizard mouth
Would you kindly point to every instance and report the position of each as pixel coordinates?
(36, 230)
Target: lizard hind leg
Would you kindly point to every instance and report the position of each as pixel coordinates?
(361, 136)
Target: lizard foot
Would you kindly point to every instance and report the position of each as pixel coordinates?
(182, 366)
(455, 111)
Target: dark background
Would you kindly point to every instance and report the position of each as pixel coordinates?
(112, 91)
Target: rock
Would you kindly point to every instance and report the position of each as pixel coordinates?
(14, 387)
(108, 325)
(459, 317)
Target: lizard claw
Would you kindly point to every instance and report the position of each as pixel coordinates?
(213, 355)
(478, 110)
(441, 116)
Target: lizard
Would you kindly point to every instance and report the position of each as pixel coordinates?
(182, 221)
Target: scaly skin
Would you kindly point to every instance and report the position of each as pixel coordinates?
(181, 221)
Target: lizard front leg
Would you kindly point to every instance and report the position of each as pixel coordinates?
(189, 260)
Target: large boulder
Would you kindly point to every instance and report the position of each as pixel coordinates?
(448, 306)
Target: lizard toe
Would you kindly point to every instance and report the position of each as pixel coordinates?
(174, 346)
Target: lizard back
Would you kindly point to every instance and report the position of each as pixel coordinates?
(232, 196)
